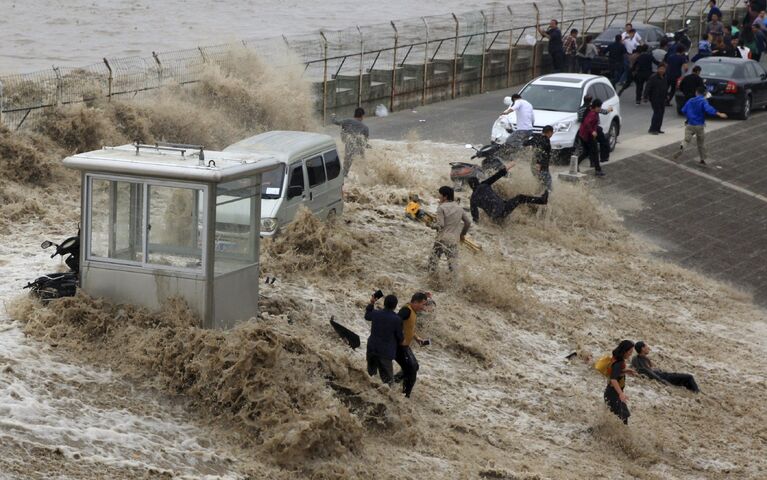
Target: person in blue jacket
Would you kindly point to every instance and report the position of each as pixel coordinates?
(385, 334)
(696, 110)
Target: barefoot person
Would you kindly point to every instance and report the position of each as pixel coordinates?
(615, 398)
(644, 366)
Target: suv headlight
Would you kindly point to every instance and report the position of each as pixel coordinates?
(268, 225)
(562, 127)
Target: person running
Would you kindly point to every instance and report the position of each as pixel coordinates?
(483, 197)
(656, 93)
(587, 136)
(695, 110)
(690, 84)
(641, 72)
(525, 120)
(355, 135)
(675, 67)
(452, 223)
(385, 335)
(615, 397)
(541, 143)
(644, 366)
(405, 357)
(659, 54)
(570, 46)
(604, 143)
(556, 52)
(616, 53)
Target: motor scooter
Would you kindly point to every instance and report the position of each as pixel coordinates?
(60, 284)
(492, 155)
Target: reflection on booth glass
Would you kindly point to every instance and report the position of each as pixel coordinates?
(116, 220)
(238, 219)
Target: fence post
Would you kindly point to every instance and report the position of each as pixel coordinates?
(583, 17)
(561, 13)
(394, 68)
(110, 79)
(484, 42)
(425, 61)
(646, 11)
(59, 86)
(2, 104)
(455, 56)
(362, 61)
(324, 77)
(607, 9)
(684, 14)
(665, 15)
(535, 45)
(701, 25)
(628, 11)
(511, 46)
(159, 64)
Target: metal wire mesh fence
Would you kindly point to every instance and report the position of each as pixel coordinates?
(395, 63)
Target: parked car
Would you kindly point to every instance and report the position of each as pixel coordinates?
(650, 35)
(309, 175)
(555, 99)
(736, 85)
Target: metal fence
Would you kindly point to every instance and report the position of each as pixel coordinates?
(332, 55)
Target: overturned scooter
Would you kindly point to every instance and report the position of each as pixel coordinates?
(61, 284)
(492, 156)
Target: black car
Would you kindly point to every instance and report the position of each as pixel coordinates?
(649, 34)
(736, 85)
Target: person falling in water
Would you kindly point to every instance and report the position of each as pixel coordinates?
(539, 166)
(385, 336)
(643, 365)
(615, 397)
(355, 135)
(483, 197)
(452, 224)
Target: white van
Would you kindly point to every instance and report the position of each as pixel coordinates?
(309, 174)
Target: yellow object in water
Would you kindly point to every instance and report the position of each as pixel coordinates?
(412, 209)
(603, 365)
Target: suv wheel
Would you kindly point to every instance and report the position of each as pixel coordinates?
(612, 135)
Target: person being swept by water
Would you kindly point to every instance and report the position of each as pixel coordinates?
(385, 335)
(615, 397)
(541, 143)
(405, 357)
(644, 366)
(355, 135)
(452, 224)
(483, 197)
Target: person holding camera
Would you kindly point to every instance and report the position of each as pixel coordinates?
(385, 336)
(405, 357)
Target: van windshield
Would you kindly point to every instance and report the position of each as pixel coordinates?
(271, 182)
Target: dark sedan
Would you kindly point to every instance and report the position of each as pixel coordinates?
(650, 35)
(736, 85)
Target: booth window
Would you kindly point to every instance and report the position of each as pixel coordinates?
(116, 220)
(238, 223)
(174, 227)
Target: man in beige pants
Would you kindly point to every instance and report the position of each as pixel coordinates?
(452, 224)
(695, 110)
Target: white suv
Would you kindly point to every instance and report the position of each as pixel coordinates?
(555, 99)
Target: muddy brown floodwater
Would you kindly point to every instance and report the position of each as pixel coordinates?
(282, 397)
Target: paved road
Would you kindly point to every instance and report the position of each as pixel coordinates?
(709, 218)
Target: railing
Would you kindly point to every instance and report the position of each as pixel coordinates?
(345, 55)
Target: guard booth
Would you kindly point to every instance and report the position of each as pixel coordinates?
(150, 230)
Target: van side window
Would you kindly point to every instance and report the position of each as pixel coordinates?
(316, 171)
(296, 185)
(332, 164)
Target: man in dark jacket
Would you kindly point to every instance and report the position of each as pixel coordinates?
(690, 84)
(541, 143)
(385, 335)
(644, 366)
(655, 92)
(494, 206)
(616, 54)
(676, 64)
(556, 49)
(641, 71)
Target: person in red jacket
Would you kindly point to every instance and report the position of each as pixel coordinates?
(587, 136)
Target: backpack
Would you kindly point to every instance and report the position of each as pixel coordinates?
(604, 364)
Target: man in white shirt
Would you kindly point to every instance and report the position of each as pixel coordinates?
(629, 27)
(525, 120)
